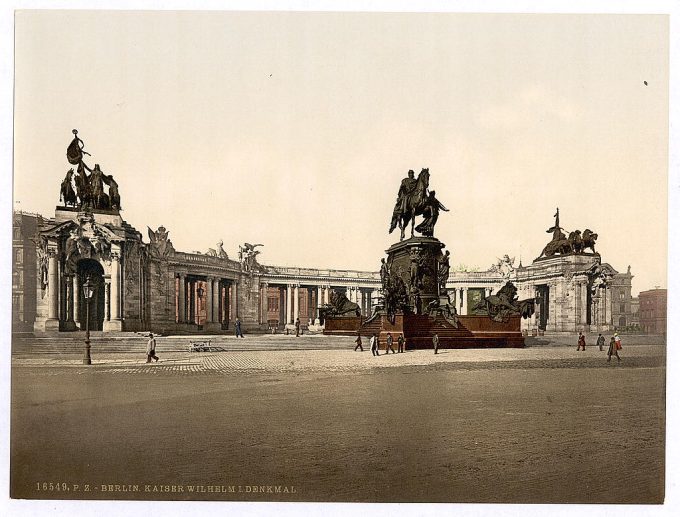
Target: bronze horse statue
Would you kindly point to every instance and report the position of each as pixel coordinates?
(411, 204)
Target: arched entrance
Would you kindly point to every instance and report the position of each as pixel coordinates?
(88, 268)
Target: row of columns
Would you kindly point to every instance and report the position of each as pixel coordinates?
(218, 298)
(355, 294)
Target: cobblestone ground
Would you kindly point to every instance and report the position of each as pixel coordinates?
(544, 424)
(344, 360)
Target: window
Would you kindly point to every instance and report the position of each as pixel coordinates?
(19, 256)
(272, 304)
(622, 308)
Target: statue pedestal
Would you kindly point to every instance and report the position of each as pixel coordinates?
(418, 330)
(416, 261)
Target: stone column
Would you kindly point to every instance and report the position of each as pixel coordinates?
(577, 304)
(69, 299)
(584, 303)
(52, 322)
(319, 296)
(465, 301)
(107, 300)
(360, 300)
(76, 299)
(289, 303)
(182, 295)
(216, 301)
(234, 299)
(209, 300)
(296, 304)
(115, 286)
(608, 306)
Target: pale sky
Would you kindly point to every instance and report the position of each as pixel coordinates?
(295, 129)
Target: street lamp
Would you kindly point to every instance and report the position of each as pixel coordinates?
(200, 292)
(88, 291)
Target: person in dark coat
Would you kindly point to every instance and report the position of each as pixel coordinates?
(581, 342)
(613, 349)
(400, 343)
(297, 327)
(358, 342)
(389, 346)
(600, 342)
(435, 342)
(238, 328)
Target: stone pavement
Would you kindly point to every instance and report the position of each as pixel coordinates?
(275, 361)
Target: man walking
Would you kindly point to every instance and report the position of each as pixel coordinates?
(435, 342)
(400, 343)
(374, 345)
(238, 328)
(600, 342)
(389, 344)
(151, 349)
(358, 342)
(581, 342)
(297, 327)
(613, 349)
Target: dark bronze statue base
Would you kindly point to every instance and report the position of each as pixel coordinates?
(471, 332)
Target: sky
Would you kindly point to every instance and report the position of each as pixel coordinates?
(294, 130)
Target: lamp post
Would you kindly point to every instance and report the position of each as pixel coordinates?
(200, 292)
(88, 291)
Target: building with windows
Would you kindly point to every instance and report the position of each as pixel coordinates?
(25, 228)
(653, 311)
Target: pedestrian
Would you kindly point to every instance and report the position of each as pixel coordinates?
(151, 349)
(581, 342)
(297, 327)
(389, 344)
(613, 349)
(358, 342)
(618, 341)
(400, 343)
(238, 328)
(375, 344)
(435, 342)
(600, 342)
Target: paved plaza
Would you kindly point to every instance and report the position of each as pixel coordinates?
(539, 424)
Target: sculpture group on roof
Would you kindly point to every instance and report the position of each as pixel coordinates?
(89, 192)
(562, 244)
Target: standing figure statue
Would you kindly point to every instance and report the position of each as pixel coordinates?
(99, 198)
(67, 194)
(431, 214)
(444, 268)
(83, 186)
(114, 195)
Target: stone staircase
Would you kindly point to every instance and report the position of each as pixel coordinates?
(135, 342)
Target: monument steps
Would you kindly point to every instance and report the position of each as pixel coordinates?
(74, 343)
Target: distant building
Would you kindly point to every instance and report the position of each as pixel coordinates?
(653, 311)
(635, 312)
(25, 227)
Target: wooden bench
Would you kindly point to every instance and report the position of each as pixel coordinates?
(204, 346)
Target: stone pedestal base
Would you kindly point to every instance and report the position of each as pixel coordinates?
(416, 261)
(113, 325)
(471, 331)
(51, 324)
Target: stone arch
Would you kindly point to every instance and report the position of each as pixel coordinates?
(92, 269)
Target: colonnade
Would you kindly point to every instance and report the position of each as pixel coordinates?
(205, 300)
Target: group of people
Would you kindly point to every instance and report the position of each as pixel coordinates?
(614, 345)
(374, 343)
